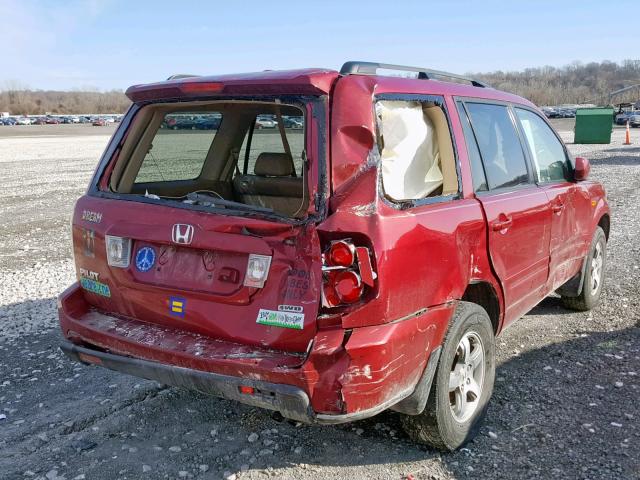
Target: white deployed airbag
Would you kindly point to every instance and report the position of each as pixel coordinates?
(410, 156)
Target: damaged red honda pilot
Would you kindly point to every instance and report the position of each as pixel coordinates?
(329, 244)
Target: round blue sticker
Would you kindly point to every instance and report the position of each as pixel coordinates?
(145, 259)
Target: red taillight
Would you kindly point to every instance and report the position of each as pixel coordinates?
(347, 272)
(348, 286)
(341, 254)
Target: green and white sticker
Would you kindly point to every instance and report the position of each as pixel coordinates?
(275, 318)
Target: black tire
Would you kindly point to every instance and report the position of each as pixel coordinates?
(436, 425)
(589, 297)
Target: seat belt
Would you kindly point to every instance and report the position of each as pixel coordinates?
(283, 135)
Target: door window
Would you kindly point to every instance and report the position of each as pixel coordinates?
(548, 155)
(417, 157)
(502, 155)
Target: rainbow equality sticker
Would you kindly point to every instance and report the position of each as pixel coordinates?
(177, 306)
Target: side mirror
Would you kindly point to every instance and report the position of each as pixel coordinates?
(582, 169)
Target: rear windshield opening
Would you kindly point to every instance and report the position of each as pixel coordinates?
(237, 155)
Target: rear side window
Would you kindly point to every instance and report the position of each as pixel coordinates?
(502, 155)
(548, 155)
(180, 147)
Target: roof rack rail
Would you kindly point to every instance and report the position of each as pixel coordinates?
(178, 76)
(371, 68)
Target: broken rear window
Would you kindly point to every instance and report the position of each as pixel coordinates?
(224, 155)
(179, 148)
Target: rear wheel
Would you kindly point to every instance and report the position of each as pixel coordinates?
(462, 385)
(593, 275)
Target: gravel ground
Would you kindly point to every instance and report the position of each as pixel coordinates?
(565, 403)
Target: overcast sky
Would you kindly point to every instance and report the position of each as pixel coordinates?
(113, 44)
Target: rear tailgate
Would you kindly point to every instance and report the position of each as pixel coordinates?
(200, 285)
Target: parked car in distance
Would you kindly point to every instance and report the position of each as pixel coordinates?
(24, 121)
(634, 119)
(265, 122)
(293, 122)
(366, 265)
(39, 121)
(624, 117)
(208, 122)
(99, 122)
(182, 123)
(52, 121)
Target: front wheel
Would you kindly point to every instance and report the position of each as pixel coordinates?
(462, 385)
(593, 276)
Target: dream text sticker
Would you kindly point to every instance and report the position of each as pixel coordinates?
(275, 318)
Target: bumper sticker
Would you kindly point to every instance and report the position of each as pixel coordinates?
(275, 318)
(145, 259)
(177, 306)
(290, 308)
(96, 287)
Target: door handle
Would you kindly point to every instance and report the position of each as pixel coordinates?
(502, 224)
(557, 208)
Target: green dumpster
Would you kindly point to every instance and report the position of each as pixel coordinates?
(593, 125)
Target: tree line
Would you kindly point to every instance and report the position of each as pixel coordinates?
(572, 84)
(21, 101)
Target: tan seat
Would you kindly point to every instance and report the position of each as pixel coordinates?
(272, 185)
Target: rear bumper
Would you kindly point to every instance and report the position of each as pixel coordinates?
(345, 376)
(291, 401)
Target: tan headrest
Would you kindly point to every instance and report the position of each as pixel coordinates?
(271, 164)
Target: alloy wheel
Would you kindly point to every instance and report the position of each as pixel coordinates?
(466, 378)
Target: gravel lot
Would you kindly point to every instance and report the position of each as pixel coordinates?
(565, 403)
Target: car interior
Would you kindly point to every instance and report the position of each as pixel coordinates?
(238, 162)
(417, 154)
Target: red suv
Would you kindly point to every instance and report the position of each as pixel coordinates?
(364, 262)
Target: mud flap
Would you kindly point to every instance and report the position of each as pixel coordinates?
(414, 404)
(573, 286)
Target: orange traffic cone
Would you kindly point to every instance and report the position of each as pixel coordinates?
(627, 140)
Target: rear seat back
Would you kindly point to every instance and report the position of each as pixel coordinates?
(272, 185)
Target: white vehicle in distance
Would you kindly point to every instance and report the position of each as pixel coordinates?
(265, 122)
(24, 121)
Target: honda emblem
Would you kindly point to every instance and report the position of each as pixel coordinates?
(182, 233)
